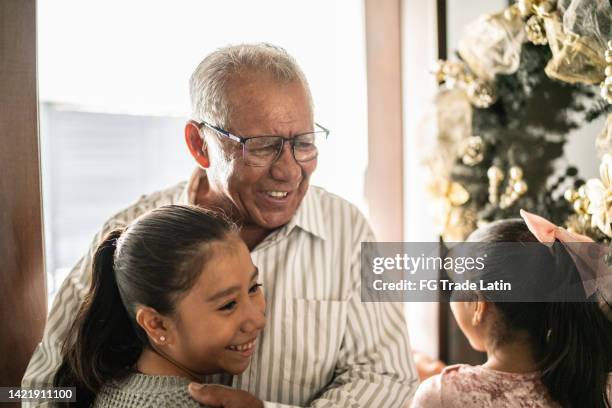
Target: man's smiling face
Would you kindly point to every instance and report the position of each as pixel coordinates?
(266, 196)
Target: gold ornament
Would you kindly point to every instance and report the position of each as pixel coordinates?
(515, 189)
(438, 70)
(448, 194)
(535, 30)
(580, 203)
(449, 197)
(520, 187)
(473, 151)
(481, 94)
(456, 75)
(570, 195)
(455, 194)
(581, 206)
(495, 175)
(516, 173)
(449, 72)
(599, 195)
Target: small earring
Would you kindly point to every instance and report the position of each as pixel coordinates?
(162, 338)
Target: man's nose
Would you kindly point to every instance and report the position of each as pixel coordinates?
(286, 168)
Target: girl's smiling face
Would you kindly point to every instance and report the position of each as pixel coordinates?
(217, 322)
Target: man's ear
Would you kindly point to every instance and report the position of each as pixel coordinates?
(196, 144)
(157, 327)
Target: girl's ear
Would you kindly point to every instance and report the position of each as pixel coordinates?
(196, 144)
(480, 308)
(158, 327)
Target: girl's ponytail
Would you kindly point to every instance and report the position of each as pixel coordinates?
(575, 344)
(102, 343)
(571, 340)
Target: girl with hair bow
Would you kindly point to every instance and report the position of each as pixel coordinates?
(539, 354)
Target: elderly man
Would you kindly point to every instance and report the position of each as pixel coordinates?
(254, 139)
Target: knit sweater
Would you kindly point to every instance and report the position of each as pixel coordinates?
(141, 390)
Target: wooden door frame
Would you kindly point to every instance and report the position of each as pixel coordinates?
(22, 277)
(384, 185)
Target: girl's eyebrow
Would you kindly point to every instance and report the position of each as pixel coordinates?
(231, 289)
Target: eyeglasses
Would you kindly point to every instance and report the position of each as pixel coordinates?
(259, 151)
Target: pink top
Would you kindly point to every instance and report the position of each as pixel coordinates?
(462, 386)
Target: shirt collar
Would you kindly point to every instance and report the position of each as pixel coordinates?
(308, 217)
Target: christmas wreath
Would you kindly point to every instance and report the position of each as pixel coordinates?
(522, 80)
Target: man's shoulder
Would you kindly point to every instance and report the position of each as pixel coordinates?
(148, 202)
(331, 202)
(337, 215)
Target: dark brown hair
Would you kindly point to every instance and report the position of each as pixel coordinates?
(152, 263)
(572, 341)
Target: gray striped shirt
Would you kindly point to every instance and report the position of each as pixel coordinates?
(321, 347)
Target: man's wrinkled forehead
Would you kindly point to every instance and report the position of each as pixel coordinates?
(259, 100)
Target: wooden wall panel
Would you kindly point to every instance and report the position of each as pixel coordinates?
(22, 284)
(384, 177)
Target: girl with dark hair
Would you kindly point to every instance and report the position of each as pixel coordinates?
(173, 298)
(539, 354)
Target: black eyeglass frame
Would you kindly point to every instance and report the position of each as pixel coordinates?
(243, 140)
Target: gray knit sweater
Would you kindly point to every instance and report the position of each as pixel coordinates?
(141, 390)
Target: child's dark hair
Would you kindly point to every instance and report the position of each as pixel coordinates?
(152, 263)
(572, 342)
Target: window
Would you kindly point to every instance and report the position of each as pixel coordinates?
(113, 86)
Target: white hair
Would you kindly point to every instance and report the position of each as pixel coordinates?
(208, 85)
